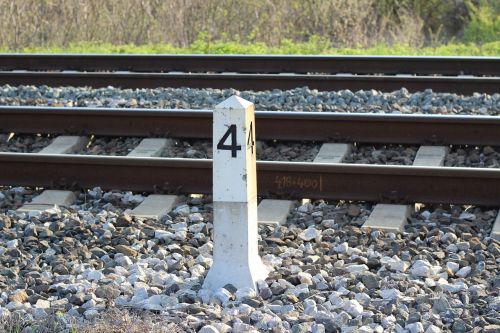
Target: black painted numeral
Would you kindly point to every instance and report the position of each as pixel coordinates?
(232, 147)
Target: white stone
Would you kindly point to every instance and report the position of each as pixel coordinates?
(159, 302)
(353, 308)
(463, 246)
(388, 321)
(140, 294)
(305, 278)
(425, 214)
(341, 248)
(335, 300)
(196, 228)
(395, 264)
(305, 208)
(467, 216)
(433, 329)
(494, 303)
(450, 237)
(222, 327)
(204, 259)
(223, 295)
(245, 292)
(129, 197)
(195, 218)
(245, 309)
(328, 224)
(318, 328)
(163, 234)
(208, 329)
(95, 275)
(12, 244)
(423, 268)
(90, 313)
(362, 298)
(181, 226)
(206, 249)
(121, 301)
(452, 248)
(205, 295)
(197, 270)
(240, 327)
(390, 294)
(310, 234)
(42, 304)
(463, 272)
(38, 313)
(124, 261)
(310, 308)
(13, 306)
(452, 266)
(454, 287)
(415, 327)
(182, 210)
(356, 269)
(272, 260)
(236, 257)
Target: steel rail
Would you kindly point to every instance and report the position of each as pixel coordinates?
(254, 63)
(257, 82)
(315, 126)
(401, 184)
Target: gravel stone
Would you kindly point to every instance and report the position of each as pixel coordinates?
(266, 150)
(353, 308)
(23, 143)
(415, 328)
(327, 274)
(208, 329)
(298, 99)
(382, 154)
(111, 146)
(474, 157)
(463, 272)
(309, 234)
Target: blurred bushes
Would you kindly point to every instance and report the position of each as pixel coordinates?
(308, 24)
(484, 24)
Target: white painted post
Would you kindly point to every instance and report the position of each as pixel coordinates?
(236, 257)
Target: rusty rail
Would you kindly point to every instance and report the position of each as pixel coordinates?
(316, 126)
(257, 82)
(401, 184)
(253, 63)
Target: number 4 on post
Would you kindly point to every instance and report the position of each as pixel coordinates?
(232, 147)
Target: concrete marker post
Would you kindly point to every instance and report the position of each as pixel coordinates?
(236, 257)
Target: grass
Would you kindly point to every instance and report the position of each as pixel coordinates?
(314, 46)
(113, 320)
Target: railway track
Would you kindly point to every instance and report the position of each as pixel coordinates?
(442, 74)
(329, 261)
(288, 179)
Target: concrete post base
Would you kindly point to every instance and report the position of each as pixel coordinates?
(236, 257)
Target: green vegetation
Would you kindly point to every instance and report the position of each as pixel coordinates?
(314, 46)
(484, 25)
